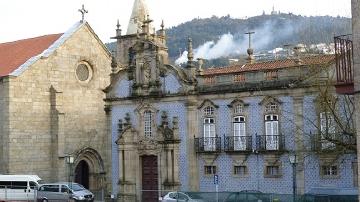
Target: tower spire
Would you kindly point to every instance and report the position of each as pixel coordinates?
(138, 17)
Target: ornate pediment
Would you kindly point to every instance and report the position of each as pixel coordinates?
(148, 146)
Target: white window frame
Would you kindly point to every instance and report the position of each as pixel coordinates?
(272, 131)
(330, 171)
(209, 134)
(238, 109)
(148, 116)
(239, 133)
(209, 110)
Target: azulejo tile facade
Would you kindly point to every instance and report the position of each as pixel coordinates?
(196, 123)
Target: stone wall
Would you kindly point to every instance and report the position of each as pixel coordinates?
(53, 114)
(4, 113)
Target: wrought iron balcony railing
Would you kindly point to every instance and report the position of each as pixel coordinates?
(270, 143)
(238, 144)
(344, 64)
(208, 145)
(333, 142)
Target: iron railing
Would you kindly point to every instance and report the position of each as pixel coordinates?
(344, 63)
(238, 144)
(270, 143)
(208, 144)
(332, 141)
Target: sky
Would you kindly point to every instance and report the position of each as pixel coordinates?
(21, 19)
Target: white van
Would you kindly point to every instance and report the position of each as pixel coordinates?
(18, 187)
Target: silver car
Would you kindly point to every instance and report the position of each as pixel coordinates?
(63, 191)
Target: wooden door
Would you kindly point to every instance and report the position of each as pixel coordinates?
(149, 179)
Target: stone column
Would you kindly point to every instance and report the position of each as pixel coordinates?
(192, 130)
(108, 153)
(299, 144)
(355, 9)
(128, 167)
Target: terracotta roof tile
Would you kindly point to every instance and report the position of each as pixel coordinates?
(270, 65)
(14, 54)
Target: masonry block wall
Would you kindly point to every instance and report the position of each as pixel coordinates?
(52, 114)
(4, 124)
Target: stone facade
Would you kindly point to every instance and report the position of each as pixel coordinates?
(4, 113)
(355, 6)
(55, 110)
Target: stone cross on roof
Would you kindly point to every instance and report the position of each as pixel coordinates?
(83, 12)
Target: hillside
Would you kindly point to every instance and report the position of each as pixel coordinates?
(271, 31)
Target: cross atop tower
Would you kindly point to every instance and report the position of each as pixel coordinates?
(83, 12)
(250, 51)
(250, 33)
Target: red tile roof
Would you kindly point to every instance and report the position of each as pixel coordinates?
(270, 65)
(14, 54)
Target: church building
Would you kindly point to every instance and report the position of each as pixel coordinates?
(52, 108)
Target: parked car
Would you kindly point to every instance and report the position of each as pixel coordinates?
(63, 191)
(179, 197)
(247, 196)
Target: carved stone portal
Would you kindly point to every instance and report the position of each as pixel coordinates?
(133, 146)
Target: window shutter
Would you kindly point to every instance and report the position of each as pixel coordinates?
(242, 129)
(212, 130)
(236, 129)
(275, 128)
(268, 128)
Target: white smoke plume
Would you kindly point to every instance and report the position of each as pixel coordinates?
(228, 44)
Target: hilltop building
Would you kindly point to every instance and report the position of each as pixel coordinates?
(174, 128)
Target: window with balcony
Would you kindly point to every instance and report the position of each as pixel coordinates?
(239, 133)
(207, 141)
(209, 134)
(272, 132)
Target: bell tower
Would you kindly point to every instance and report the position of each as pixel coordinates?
(142, 52)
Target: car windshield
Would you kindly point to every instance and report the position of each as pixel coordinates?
(76, 187)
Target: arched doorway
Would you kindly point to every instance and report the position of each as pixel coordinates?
(89, 169)
(82, 174)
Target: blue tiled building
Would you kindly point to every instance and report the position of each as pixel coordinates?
(174, 128)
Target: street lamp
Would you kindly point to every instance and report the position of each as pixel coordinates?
(293, 161)
(69, 159)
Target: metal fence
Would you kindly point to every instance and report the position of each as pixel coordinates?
(254, 196)
(16, 193)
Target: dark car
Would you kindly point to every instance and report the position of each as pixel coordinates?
(247, 196)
